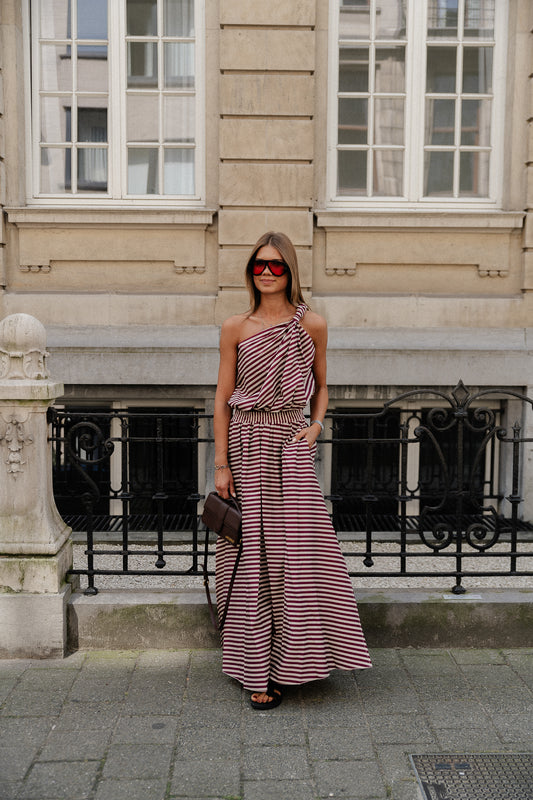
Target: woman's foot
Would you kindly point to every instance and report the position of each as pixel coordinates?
(263, 701)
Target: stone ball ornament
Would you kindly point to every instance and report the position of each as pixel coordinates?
(22, 348)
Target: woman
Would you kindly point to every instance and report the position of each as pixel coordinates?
(292, 617)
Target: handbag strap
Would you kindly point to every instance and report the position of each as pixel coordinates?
(218, 625)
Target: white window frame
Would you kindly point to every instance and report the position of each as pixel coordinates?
(415, 82)
(116, 194)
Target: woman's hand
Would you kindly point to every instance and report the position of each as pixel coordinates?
(224, 483)
(310, 434)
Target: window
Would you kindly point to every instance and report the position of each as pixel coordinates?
(414, 112)
(117, 99)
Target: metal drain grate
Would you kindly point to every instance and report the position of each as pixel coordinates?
(485, 776)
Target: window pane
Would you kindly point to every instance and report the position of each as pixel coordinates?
(353, 120)
(352, 172)
(179, 118)
(92, 70)
(389, 120)
(354, 22)
(141, 17)
(92, 169)
(477, 70)
(92, 124)
(474, 175)
(56, 68)
(353, 69)
(388, 173)
(179, 171)
(390, 19)
(142, 171)
(390, 69)
(142, 117)
(440, 121)
(475, 123)
(443, 18)
(441, 67)
(142, 64)
(179, 64)
(92, 19)
(179, 18)
(55, 120)
(55, 20)
(479, 18)
(55, 170)
(438, 174)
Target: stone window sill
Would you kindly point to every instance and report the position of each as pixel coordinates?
(339, 220)
(82, 217)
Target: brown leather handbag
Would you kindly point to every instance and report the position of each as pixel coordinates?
(225, 519)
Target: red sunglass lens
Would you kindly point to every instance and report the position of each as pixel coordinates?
(277, 268)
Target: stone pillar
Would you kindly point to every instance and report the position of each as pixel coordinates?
(35, 548)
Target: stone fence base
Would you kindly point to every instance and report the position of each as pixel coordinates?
(493, 618)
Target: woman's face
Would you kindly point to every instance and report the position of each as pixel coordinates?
(267, 282)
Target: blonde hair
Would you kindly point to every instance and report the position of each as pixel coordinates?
(285, 248)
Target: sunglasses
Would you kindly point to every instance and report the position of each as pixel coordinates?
(277, 268)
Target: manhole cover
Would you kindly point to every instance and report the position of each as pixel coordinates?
(486, 776)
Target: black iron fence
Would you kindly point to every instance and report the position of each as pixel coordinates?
(431, 474)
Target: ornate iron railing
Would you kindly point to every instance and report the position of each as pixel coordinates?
(431, 474)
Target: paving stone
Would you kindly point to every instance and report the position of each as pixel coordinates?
(275, 763)
(176, 660)
(279, 790)
(400, 729)
(456, 714)
(394, 762)
(25, 703)
(515, 727)
(474, 656)
(137, 761)
(196, 714)
(71, 780)
(153, 700)
(433, 662)
(345, 715)
(23, 731)
(88, 716)
(483, 676)
(63, 746)
(358, 779)
(104, 689)
(145, 728)
(214, 778)
(122, 789)
(10, 790)
(340, 743)
(197, 744)
(466, 740)
(392, 701)
(405, 790)
(275, 729)
(15, 762)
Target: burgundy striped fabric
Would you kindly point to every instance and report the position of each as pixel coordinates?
(292, 615)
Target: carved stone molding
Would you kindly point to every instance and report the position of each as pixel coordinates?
(180, 270)
(492, 272)
(16, 439)
(22, 348)
(35, 268)
(341, 270)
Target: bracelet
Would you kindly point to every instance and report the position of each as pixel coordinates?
(221, 466)
(320, 423)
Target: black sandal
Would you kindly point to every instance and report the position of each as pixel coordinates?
(273, 690)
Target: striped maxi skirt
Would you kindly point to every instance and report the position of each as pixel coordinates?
(292, 615)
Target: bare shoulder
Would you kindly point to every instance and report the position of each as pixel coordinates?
(315, 325)
(232, 327)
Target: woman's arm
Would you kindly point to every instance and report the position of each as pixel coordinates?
(227, 373)
(317, 328)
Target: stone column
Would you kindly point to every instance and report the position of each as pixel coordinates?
(35, 548)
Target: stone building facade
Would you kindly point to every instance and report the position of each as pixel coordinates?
(145, 145)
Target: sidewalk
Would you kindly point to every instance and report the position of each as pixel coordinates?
(155, 725)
